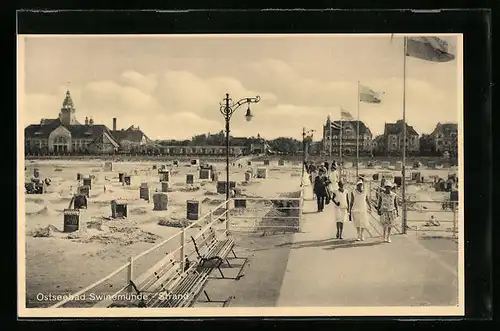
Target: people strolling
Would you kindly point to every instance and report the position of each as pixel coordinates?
(320, 189)
(341, 200)
(359, 208)
(334, 177)
(387, 208)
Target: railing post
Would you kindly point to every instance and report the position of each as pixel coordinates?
(227, 215)
(301, 207)
(130, 273)
(183, 243)
(370, 190)
(455, 231)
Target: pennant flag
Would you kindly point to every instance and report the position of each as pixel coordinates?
(429, 49)
(368, 95)
(345, 115)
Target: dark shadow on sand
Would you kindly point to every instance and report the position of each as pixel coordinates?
(354, 244)
(331, 243)
(310, 212)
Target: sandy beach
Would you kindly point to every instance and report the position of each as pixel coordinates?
(63, 263)
(103, 244)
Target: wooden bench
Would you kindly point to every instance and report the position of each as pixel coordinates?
(213, 252)
(166, 285)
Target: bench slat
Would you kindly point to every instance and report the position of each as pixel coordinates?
(160, 276)
(191, 281)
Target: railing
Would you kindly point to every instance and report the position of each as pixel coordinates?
(416, 208)
(275, 215)
(445, 214)
(414, 219)
(203, 224)
(221, 218)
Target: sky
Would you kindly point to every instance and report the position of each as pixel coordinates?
(171, 86)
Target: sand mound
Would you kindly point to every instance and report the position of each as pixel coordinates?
(189, 189)
(174, 223)
(39, 210)
(102, 202)
(97, 225)
(140, 210)
(214, 202)
(96, 232)
(210, 193)
(44, 232)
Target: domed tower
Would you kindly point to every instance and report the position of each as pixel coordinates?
(67, 114)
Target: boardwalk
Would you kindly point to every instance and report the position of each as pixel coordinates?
(322, 271)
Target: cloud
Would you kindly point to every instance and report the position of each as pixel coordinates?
(146, 84)
(179, 103)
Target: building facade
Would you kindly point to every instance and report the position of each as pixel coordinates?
(64, 135)
(444, 138)
(378, 145)
(200, 150)
(332, 137)
(393, 139)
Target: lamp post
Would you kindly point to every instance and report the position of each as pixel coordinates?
(227, 109)
(304, 133)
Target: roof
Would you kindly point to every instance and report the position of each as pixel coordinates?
(87, 131)
(363, 129)
(395, 128)
(42, 130)
(130, 135)
(77, 131)
(104, 139)
(445, 128)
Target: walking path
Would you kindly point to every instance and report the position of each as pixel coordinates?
(323, 271)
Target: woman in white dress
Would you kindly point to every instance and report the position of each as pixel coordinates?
(334, 178)
(359, 207)
(341, 200)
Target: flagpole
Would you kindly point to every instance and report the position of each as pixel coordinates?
(331, 142)
(340, 145)
(357, 141)
(403, 170)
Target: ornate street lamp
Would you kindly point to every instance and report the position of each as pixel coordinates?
(227, 109)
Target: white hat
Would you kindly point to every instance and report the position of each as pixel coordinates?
(388, 183)
(359, 182)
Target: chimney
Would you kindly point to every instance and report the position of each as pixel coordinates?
(91, 121)
(114, 123)
(86, 121)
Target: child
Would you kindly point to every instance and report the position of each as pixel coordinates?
(341, 200)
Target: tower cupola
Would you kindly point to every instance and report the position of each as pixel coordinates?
(67, 114)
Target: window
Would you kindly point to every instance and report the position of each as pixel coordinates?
(60, 140)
